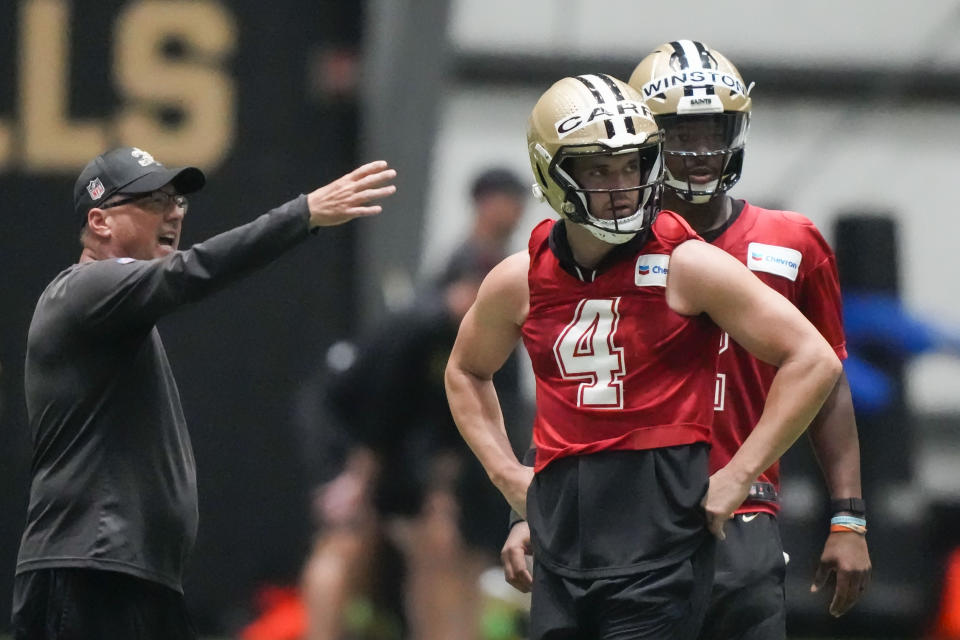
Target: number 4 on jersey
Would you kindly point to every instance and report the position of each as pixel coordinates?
(585, 351)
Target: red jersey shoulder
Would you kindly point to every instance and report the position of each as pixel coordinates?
(671, 229)
(789, 229)
(789, 224)
(796, 218)
(541, 231)
(789, 217)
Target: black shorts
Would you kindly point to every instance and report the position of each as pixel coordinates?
(81, 604)
(662, 604)
(748, 588)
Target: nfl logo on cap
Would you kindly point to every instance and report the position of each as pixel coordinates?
(95, 189)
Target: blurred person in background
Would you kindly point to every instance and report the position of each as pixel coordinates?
(703, 106)
(621, 311)
(408, 482)
(499, 201)
(112, 515)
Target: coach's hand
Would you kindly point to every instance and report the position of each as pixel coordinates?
(513, 557)
(845, 557)
(724, 495)
(349, 196)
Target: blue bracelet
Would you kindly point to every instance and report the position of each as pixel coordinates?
(859, 522)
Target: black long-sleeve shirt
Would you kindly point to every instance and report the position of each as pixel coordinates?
(113, 475)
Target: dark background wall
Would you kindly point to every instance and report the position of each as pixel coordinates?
(282, 121)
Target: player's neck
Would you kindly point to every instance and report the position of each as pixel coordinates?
(588, 250)
(702, 217)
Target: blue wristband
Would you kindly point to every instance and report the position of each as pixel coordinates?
(842, 520)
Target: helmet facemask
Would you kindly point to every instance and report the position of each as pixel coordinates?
(618, 190)
(703, 153)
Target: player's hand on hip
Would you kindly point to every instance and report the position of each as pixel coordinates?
(845, 559)
(351, 196)
(514, 556)
(514, 488)
(724, 495)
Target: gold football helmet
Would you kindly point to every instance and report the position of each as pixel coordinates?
(700, 101)
(596, 118)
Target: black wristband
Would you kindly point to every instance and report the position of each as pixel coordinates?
(855, 506)
(515, 519)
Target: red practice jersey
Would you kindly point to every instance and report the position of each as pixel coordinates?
(787, 252)
(615, 367)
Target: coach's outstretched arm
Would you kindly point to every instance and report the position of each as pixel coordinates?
(704, 279)
(350, 196)
(488, 334)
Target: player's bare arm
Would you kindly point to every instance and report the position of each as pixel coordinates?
(351, 196)
(488, 334)
(704, 279)
(833, 434)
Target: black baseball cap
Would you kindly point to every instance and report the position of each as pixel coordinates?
(128, 170)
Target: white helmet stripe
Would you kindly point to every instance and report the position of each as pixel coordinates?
(604, 95)
(627, 122)
(600, 100)
(691, 53)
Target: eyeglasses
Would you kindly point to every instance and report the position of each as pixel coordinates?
(159, 201)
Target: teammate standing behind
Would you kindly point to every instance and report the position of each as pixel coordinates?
(113, 500)
(615, 310)
(706, 127)
(702, 104)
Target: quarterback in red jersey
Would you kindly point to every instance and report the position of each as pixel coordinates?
(621, 311)
(700, 101)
